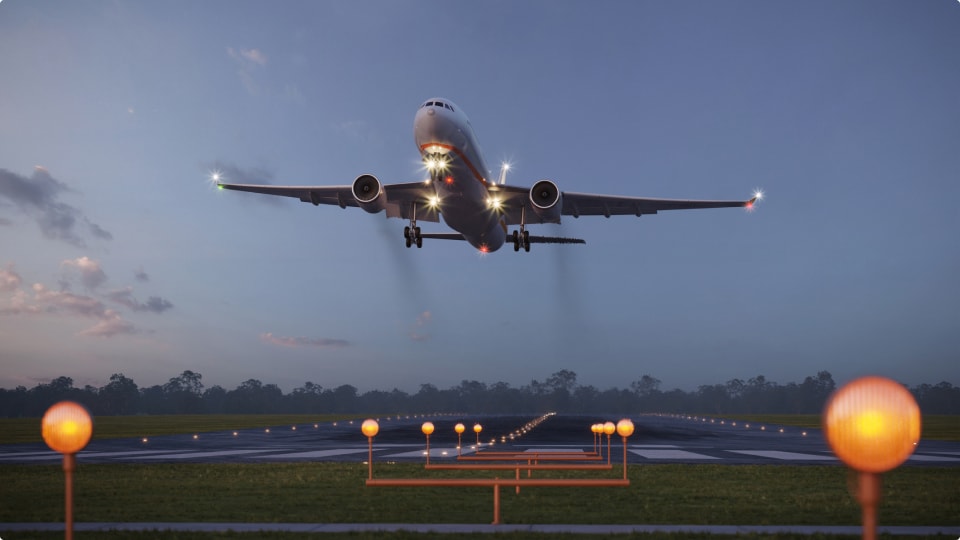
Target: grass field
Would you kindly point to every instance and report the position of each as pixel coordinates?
(167, 535)
(16, 430)
(335, 493)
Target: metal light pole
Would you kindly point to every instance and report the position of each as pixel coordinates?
(477, 428)
(459, 428)
(873, 425)
(625, 429)
(427, 429)
(608, 429)
(67, 428)
(370, 428)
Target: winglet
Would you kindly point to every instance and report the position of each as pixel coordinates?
(757, 195)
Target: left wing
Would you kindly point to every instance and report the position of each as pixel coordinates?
(514, 199)
(399, 198)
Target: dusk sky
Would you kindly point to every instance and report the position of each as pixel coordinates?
(117, 255)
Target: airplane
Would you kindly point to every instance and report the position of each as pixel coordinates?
(459, 188)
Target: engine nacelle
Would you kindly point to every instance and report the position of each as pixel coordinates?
(547, 201)
(368, 191)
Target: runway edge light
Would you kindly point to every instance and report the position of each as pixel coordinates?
(873, 425)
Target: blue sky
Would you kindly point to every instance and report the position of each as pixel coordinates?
(117, 256)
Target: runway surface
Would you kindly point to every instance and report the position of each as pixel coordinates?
(657, 439)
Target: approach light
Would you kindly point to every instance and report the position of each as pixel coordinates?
(872, 424)
(66, 427)
(370, 427)
(427, 428)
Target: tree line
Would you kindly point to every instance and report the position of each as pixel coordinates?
(186, 394)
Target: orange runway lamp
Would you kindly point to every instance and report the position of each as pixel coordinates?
(597, 429)
(427, 429)
(625, 429)
(872, 425)
(370, 428)
(67, 428)
(477, 428)
(608, 429)
(459, 428)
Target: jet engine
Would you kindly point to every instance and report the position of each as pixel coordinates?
(547, 201)
(368, 191)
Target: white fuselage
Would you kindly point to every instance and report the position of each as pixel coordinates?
(443, 133)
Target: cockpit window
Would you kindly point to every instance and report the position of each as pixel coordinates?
(427, 104)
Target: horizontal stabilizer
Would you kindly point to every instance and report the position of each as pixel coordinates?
(555, 240)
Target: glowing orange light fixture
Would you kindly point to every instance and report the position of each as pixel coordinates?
(872, 424)
(625, 428)
(427, 428)
(67, 427)
(459, 428)
(370, 427)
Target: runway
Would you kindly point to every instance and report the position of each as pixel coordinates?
(657, 439)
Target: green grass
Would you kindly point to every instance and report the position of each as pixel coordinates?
(940, 427)
(21, 430)
(335, 493)
(405, 535)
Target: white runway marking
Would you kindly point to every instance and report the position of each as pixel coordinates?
(320, 453)
(669, 454)
(434, 452)
(191, 455)
(924, 457)
(553, 450)
(50, 455)
(8, 455)
(82, 455)
(788, 456)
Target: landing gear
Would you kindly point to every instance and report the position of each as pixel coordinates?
(521, 237)
(411, 234)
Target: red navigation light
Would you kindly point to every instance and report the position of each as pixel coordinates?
(484, 249)
(448, 180)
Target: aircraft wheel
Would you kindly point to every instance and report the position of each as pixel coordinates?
(419, 242)
(526, 241)
(406, 233)
(416, 232)
(408, 241)
(516, 241)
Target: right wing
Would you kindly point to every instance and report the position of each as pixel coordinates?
(515, 198)
(399, 198)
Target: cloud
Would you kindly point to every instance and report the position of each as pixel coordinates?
(248, 60)
(9, 279)
(124, 297)
(91, 275)
(422, 320)
(109, 326)
(140, 275)
(39, 198)
(295, 342)
(232, 174)
(41, 300)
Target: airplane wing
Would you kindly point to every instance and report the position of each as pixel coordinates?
(515, 198)
(400, 198)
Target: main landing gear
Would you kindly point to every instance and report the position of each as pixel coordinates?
(411, 234)
(521, 237)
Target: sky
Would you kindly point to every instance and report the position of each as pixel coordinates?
(118, 256)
